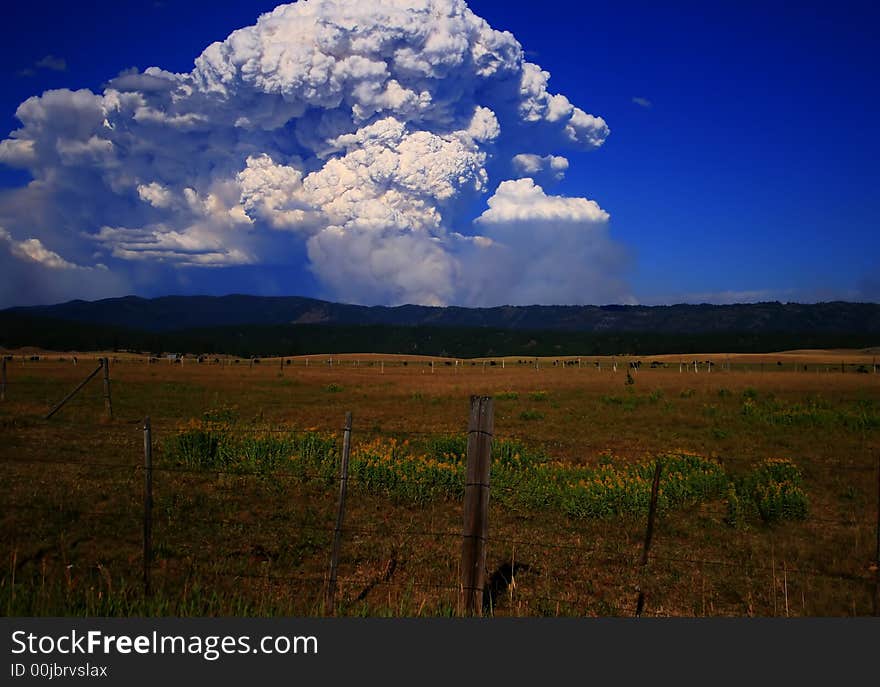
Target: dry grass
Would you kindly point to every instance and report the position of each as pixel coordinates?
(233, 544)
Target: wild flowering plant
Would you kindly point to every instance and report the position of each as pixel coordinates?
(521, 477)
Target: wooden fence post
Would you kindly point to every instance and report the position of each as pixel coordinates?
(74, 392)
(330, 599)
(108, 404)
(649, 535)
(148, 504)
(877, 554)
(3, 380)
(481, 427)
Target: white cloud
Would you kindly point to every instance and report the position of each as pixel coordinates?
(642, 102)
(550, 167)
(524, 201)
(53, 63)
(159, 243)
(18, 152)
(358, 133)
(539, 248)
(155, 194)
(32, 250)
(34, 274)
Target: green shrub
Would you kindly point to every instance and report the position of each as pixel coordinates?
(772, 492)
(198, 448)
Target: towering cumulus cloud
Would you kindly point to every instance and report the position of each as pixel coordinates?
(352, 139)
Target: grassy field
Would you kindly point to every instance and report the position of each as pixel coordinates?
(768, 498)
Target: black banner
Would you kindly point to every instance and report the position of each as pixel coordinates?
(402, 651)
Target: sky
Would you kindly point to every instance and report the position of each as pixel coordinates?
(443, 153)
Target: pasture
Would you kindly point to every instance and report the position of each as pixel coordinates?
(768, 497)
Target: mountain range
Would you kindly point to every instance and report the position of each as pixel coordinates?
(182, 312)
(260, 325)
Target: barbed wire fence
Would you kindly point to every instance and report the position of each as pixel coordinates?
(473, 589)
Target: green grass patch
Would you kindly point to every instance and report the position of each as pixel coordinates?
(631, 400)
(772, 491)
(522, 477)
(529, 415)
(813, 412)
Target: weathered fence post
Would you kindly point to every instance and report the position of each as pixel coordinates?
(649, 535)
(148, 504)
(74, 392)
(330, 599)
(3, 379)
(481, 428)
(877, 554)
(108, 404)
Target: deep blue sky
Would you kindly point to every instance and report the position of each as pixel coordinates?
(755, 168)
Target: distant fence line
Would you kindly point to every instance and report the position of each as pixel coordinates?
(583, 362)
